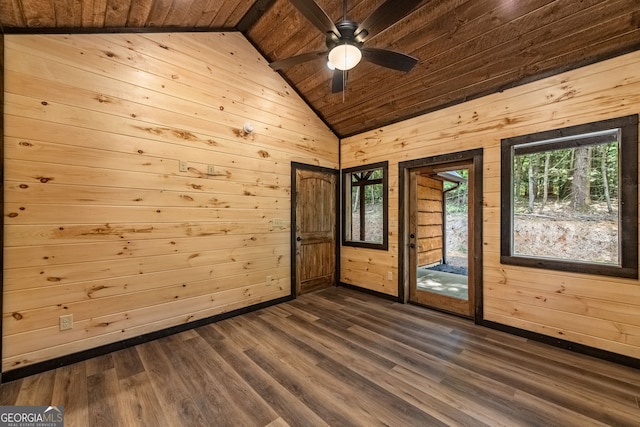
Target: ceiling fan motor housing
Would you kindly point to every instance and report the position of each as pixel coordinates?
(347, 35)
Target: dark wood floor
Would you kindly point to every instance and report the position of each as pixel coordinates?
(338, 357)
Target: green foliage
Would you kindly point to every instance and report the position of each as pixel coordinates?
(457, 194)
(372, 192)
(561, 173)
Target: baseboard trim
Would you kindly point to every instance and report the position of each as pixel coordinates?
(69, 359)
(369, 291)
(567, 345)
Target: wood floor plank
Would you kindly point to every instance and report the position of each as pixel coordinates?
(278, 423)
(292, 411)
(377, 369)
(10, 391)
(299, 372)
(102, 390)
(551, 389)
(127, 363)
(338, 357)
(37, 390)
(404, 411)
(139, 402)
(70, 390)
(318, 400)
(99, 364)
(203, 390)
(247, 406)
(241, 336)
(573, 376)
(430, 390)
(174, 397)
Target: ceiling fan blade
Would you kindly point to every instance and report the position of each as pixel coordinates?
(315, 15)
(339, 81)
(390, 59)
(295, 60)
(389, 12)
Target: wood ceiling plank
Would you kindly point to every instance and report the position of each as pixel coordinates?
(68, 13)
(445, 20)
(209, 13)
(11, 14)
(595, 42)
(278, 19)
(309, 80)
(360, 10)
(599, 40)
(117, 13)
(238, 13)
(298, 35)
(303, 37)
(307, 38)
(177, 14)
(196, 10)
(139, 13)
(93, 13)
(39, 13)
(225, 11)
(441, 68)
(484, 87)
(87, 13)
(465, 21)
(443, 51)
(159, 11)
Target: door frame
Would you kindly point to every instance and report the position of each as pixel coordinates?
(295, 167)
(475, 252)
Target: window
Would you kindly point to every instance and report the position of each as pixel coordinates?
(570, 199)
(365, 206)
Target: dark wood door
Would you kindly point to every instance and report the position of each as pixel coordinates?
(315, 228)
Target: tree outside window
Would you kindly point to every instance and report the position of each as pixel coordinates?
(569, 199)
(365, 206)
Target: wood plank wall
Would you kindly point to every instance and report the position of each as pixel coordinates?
(601, 312)
(430, 236)
(99, 220)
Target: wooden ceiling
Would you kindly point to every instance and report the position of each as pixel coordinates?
(466, 48)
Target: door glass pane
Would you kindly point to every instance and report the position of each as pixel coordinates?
(442, 233)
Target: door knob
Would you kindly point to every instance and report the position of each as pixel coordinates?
(412, 235)
(298, 238)
(411, 245)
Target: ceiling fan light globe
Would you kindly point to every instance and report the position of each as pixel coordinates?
(345, 56)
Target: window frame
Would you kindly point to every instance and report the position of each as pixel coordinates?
(628, 197)
(346, 205)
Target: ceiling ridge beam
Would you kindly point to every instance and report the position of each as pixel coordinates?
(253, 14)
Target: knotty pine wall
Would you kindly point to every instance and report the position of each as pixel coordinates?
(601, 312)
(100, 222)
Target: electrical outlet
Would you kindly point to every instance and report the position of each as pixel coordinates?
(66, 322)
(184, 166)
(211, 170)
(390, 275)
(278, 222)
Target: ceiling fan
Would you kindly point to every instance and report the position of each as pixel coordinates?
(345, 39)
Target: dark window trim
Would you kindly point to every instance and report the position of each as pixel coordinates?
(628, 191)
(385, 206)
